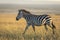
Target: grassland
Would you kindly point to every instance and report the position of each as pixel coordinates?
(10, 29)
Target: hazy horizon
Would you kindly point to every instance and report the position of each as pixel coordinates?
(45, 8)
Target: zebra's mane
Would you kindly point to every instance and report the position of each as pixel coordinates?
(26, 12)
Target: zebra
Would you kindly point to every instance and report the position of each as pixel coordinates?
(35, 20)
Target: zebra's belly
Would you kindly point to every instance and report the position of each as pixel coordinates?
(37, 23)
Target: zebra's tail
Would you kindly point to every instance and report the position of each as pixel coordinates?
(53, 25)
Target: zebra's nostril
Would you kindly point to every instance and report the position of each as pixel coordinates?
(16, 18)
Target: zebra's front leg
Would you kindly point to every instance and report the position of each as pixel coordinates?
(33, 27)
(26, 28)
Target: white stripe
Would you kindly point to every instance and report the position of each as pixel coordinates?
(41, 21)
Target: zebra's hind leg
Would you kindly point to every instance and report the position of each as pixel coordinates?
(46, 27)
(53, 27)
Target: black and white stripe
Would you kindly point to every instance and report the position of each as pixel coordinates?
(35, 20)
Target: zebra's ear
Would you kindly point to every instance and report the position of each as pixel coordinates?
(18, 10)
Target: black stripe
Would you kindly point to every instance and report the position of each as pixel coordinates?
(41, 19)
(48, 20)
(48, 17)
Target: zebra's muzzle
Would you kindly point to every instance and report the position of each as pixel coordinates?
(17, 19)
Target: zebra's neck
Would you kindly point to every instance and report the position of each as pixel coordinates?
(27, 18)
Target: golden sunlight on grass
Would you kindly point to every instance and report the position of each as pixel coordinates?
(10, 29)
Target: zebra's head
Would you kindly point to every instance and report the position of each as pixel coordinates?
(20, 15)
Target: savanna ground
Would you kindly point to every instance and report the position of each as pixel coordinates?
(10, 29)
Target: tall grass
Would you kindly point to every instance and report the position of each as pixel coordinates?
(10, 29)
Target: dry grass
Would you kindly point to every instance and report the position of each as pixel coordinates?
(10, 29)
